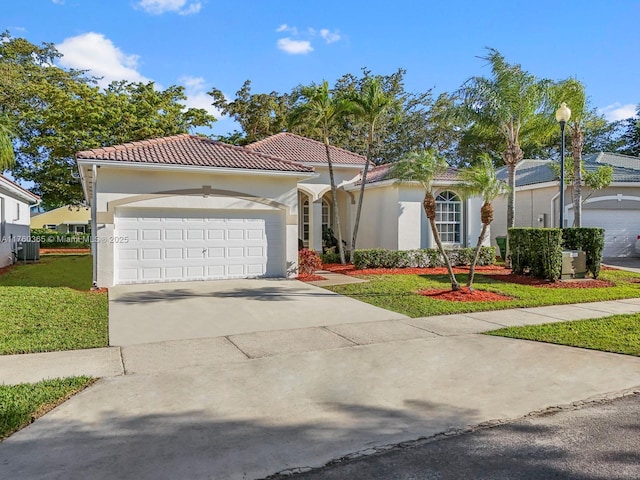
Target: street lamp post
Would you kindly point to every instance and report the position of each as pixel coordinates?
(563, 114)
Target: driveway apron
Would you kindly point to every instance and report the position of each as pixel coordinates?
(176, 311)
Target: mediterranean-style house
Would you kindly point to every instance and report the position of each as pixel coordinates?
(15, 203)
(615, 208)
(190, 208)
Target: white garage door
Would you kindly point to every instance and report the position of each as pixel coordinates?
(621, 229)
(178, 245)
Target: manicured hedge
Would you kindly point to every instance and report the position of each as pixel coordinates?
(52, 239)
(426, 257)
(537, 250)
(590, 240)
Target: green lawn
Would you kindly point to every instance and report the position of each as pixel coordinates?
(21, 404)
(617, 334)
(398, 293)
(47, 306)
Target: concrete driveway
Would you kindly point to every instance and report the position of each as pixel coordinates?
(177, 311)
(631, 264)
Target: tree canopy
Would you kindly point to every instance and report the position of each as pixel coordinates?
(55, 112)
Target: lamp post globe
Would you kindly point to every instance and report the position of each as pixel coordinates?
(563, 114)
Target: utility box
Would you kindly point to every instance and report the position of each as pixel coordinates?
(574, 264)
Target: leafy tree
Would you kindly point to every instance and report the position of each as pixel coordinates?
(320, 108)
(423, 167)
(596, 179)
(630, 138)
(507, 104)
(259, 114)
(368, 105)
(583, 120)
(7, 155)
(481, 180)
(57, 112)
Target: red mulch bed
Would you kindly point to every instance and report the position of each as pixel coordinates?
(4, 270)
(304, 277)
(495, 272)
(462, 295)
(349, 269)
(64, 251)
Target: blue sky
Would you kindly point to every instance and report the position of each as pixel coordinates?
(280, 44)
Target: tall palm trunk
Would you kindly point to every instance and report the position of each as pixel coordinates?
(429, 205)
(476, 255)
(577, 142)
(363, 182)
(512, 155)
(334, 196)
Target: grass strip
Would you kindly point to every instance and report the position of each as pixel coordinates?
(616, 334)
(21, 404)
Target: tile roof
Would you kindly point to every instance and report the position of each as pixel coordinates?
(530, 172)
(301, 149)
(191, 150)
(381, 173)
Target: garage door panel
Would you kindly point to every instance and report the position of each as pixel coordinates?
(173, 246)
(621, 228)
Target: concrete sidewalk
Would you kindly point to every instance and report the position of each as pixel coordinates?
(249, 418)
(172, 355)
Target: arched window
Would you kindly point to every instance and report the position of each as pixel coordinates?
(449, 217)
(326, 218)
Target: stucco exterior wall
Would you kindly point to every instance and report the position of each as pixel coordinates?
(14, 224)
(60, 216)
(379, 218)
(117, 188)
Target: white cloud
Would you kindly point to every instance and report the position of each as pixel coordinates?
(295, 47)
(617, 111)
(197, 96)
(158, 7)
(58, 2)
(96, 53)
(329, 37)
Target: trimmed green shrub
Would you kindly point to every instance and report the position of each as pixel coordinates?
(426, 257)
(330, 257)
(536, 250)
(53, 239)
(589, 240)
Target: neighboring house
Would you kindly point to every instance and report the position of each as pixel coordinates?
(67, 219)
(189, 208)
(15, 203)
(615, 208)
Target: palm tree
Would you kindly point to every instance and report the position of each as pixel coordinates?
(369, 104)
(481, 180)
(7, 154)
(572, 92)
(322, 110)
(423, 167)
(509, 103)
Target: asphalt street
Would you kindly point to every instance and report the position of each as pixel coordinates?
(598, 441)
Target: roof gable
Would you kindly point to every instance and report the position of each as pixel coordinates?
(304, 150)
(15, 190)
(191, 150)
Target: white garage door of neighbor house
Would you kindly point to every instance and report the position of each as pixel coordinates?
(178, 245)
(621, 229)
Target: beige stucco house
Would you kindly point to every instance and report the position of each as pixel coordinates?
(615, 208)
(189, 208)
(15, 203)
(67, 219)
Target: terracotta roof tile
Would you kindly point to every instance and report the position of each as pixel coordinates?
(301, 149)
(383, 172)
(191, 150)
